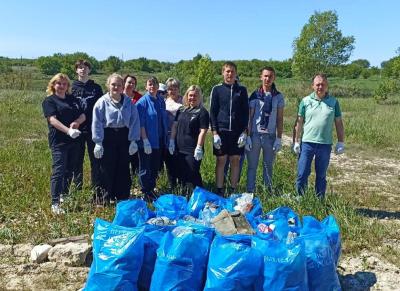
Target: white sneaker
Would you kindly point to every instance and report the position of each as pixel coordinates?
(57, 210)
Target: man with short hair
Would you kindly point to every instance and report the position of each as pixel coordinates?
(88, 92)
(229, 115)
(317, 114)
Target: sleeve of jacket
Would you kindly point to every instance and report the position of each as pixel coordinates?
(245, 108)
(134, 124)
(214, 108)
(98, 122)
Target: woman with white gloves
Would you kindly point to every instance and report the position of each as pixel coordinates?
(115, 128)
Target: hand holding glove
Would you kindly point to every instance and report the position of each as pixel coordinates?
(242, 140)
(217, 141)
(147, 146)
(296, 148)
(277, 145)
(171, 146)
(98, 151)
(73, 133)
(198, 153)
(339, 148)
(133, 148)
(249, 144)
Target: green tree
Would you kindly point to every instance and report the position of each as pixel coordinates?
(204, 76)
(49, 65)
(391, 68)
(362, 63)
(112, 64)
(320, 45)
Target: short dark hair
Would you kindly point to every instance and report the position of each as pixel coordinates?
(153, 80)
(131, 76)
(229, 64)
(323, 76)
(83, 63)
(268, 68)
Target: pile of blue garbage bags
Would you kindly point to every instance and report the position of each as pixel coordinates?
(176, 247)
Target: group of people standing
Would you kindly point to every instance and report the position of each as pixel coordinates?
(128, 134)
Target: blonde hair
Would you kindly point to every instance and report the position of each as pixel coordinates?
(57, 77)
(116, 76)
(172, 82)
(199, 94)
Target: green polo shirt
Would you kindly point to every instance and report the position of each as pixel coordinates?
(319, 117)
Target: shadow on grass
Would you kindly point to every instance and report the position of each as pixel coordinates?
(380, 214)
(358, 281)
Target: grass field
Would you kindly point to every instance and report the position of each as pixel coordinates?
(25, 167)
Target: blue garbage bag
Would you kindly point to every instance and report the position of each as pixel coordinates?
(233, 264)
(284, 212)
(199, 198)
(117, 257)
(182, 258)
(280, 228)
(171, 206)
(284, 265)
(131, 213)
(153, 234)
(321, 268)
(333, 232)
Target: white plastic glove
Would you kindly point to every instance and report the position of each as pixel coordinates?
(296, 148)
(73, 133)
(198, 153)
(147, 146)
(98, 151)
(217, 141)
(242, 140)
(277, 145)
(339, 148)
(133, 148)
(171, 146)
(249, 144)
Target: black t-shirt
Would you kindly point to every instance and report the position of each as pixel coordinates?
(66, 111)
(190, 121)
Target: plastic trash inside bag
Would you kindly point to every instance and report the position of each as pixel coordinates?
(209, 211)
(284, 265)
(201, 196)
(161, 221)
(171, 206)
(233, 264)
(131, 213)
(182, 258)
(117, 257)
(247, 204)
(286, 213)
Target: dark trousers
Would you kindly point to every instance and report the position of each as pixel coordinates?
(189, 170)
(149, 166)
(172, 165)
(115, 179)
(86, 139)
(134, 162)
(63, 168)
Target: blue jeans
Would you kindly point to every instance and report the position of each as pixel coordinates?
(264, 142)
(149, 166)
(64, 166)
(322, 154)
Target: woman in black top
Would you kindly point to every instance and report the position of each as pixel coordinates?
(189, 131)
(64, 115)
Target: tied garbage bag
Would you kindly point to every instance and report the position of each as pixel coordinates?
(284, 264)
(153, 234)
(117, 257)
(131, 213)
(233, 264)
(201, 196)
(321, 268)
(182, 258)
(286, 213)
(333, 232)
(171, 206)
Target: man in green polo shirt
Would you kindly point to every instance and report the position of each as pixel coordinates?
(317, 114)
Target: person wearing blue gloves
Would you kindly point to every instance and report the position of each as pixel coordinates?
(316, 116)
(115, 130)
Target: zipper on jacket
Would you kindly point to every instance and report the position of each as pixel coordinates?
(230, 111)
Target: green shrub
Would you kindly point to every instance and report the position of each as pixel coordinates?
(386, 89)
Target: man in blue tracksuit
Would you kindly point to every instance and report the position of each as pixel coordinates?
(229, 115)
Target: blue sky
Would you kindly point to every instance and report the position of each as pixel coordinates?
(172, 30)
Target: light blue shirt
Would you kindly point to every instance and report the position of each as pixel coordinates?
(106, 114)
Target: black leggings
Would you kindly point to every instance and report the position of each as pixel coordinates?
(189, 169)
